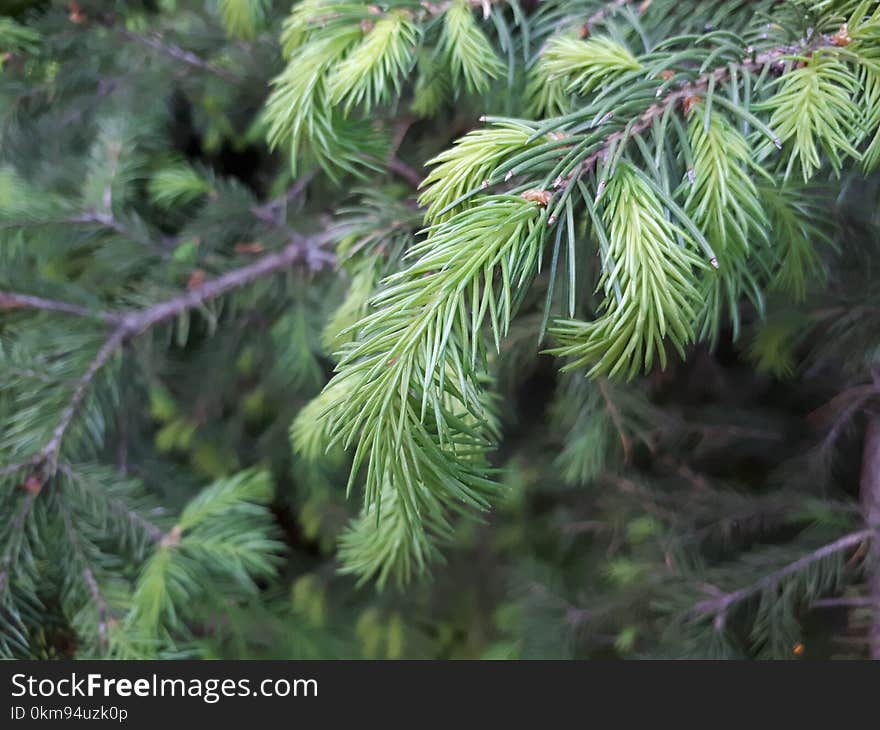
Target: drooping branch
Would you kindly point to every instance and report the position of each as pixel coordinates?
(719, 605)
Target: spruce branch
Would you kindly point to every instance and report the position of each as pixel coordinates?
(685, 95)
(720, 605)
(303, 249)
(47, 457)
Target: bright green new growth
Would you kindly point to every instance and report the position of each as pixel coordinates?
(383, 545)
(223, 533)
(422, 424)
(871, 85)
(582, 66)
(468, 166)
(243, 18)
(570, 66)
(466, 49)
(814, 107)
(722, 199)
(373, 71)
(345, 57)
(298, 112)
(648, 280)
(177, 184)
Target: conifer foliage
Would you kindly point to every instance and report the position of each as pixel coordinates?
(253, 356)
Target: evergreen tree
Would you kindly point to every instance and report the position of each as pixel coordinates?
(502, 328)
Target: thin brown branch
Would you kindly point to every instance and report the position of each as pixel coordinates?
(840, 410)
(304, 249)
(17, 466)
(400, 168)
(95, 218)
(11, 300)
(851, 602)
(89, 217)
(719, 605)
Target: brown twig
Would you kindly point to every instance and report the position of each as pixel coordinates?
(268, 212)
(851, 602)
(399, 167)
(9, 300)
